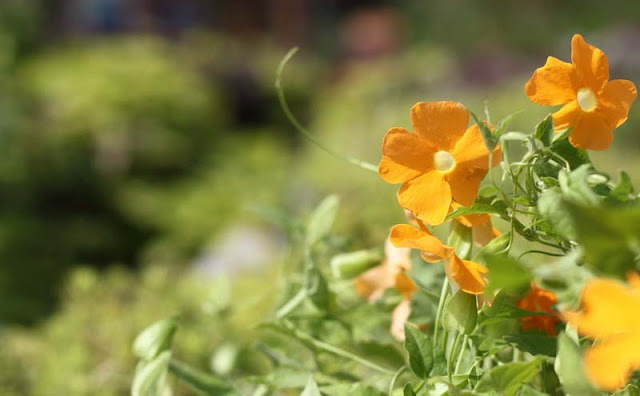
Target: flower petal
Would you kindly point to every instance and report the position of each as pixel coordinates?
(399, 316)
(608, 308)
(404, 156)
(471, 150)
(552, 84)
(441, 123)
(567, 116)
(428, 196)
(397, 257)
(484, 232)
(592, 131)
(465, 183)
(405, 285)
(616, 99)
(609, 363)
(372, 283)
(404, 235)
(592, 67)
(468, 275)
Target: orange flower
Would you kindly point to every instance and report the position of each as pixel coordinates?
(539, 300)
(441, 161)
(480, 224)
(593, 105)
(391, 273)
(610, 312)
(373, 283)
(468, 275)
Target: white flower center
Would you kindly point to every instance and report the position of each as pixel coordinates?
(587, 100)
(443, 162)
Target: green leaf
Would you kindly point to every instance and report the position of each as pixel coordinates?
(349, 265)
(515, 136)
(498, 208)
(311, 389)
(321, 219)
(629, 390)
(201, 381)
(150, 378)
(317, 289)
(575, 157)
(418, 346)
(552, 207)
(544, 131)
(155, 339)
(623, 191)
(461, 239)
(528, 390)
(503, 124)
(506, 273)
(568, 366)
(575, 186)
(490, 140)
(495, 245)
(608, 236)
(355, 389)
(508, 378)
(535, 344)
(408, 390)
(460, 313)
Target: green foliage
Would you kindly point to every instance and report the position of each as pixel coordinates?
(509, 378)
(460, 313)
(568, 366)
(420, 350)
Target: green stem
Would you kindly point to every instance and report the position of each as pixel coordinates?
(539, 252)
(443, 296)
(292, 303)
(465, 338)
(452, 352)
(334, 350)
(294, 121)
(392, 384)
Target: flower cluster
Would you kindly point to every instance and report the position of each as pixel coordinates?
(440, 166)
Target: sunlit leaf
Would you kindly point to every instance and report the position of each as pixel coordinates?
(151, 376)
(478, 208)
(155, 339)
(321, 219)
(311, 389)
(461, 239)
(544, 131)
(349, 265)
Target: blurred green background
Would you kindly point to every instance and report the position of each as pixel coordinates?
(144, 157)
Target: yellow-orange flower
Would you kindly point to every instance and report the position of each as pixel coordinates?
(593, 105)
(610, 314)
(441, 161)
(391, 273)
(468, 275)
(539, 300)
(372, 283)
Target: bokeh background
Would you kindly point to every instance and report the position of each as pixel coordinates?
(146, 168)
